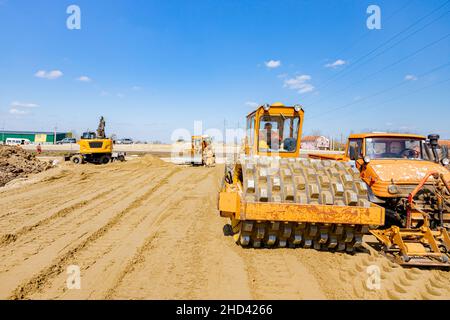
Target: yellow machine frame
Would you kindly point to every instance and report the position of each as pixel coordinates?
(91, 146)
(232, 205)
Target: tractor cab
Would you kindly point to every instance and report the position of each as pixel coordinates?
(88, 135)
(274, 130)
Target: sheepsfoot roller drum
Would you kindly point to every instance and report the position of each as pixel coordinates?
(293, 202)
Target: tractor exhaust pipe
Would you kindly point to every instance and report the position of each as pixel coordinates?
(434, 143)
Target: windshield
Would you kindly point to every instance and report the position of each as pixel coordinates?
(88, 135)
(394, 148)
(278, 133)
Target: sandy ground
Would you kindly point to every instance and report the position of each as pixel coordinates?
(146, 229)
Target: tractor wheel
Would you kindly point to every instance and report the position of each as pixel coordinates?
(105, 159)
(77, 159)
(121, 158)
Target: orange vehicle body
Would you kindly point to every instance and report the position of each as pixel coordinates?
(379, 173)
(414, 190)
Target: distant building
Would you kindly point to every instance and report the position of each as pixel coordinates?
(33, 136)
(315, 143)
(445, 143)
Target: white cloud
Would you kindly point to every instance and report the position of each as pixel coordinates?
(336, 64)
(17, 111)
(136, 88)
(104, 93)
(120, 95)
(272, 64)
(17, 104)
(299, 83)
(252, 104)
(84, 79)
(410, 77)
(50, 75)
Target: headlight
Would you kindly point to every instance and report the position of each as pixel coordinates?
(393, 189)
(445, 161)
(266, 107)
(366, 159)
(297, 108)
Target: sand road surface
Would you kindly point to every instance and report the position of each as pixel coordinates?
(146, 229)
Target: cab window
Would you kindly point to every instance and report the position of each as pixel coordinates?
(355, 149)
(278, 133)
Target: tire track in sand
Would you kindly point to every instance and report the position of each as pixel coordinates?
(33, 284)
(188, 257)
(54, 237)
(22, 210)
(102, 261)
(25, 224)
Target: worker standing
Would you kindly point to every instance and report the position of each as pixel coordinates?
(39, 149)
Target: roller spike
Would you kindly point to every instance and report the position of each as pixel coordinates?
(245, 240)
(307, 243)
(256, 244)
(323, 237)
(271, 240)
(332, 242)
(282, 243)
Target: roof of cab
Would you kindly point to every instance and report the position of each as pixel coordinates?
(385, 135)
(276, 104)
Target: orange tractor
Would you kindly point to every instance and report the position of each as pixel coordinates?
(403, 177)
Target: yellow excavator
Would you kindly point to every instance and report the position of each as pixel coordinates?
(273, 198)
(96, 148)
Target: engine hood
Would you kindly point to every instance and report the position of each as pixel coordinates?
(405, 171)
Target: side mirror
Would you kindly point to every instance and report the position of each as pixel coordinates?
(445, 161)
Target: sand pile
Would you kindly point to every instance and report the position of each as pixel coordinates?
(17, 163)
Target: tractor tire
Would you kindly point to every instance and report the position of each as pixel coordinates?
(105, 159)
(76, 159)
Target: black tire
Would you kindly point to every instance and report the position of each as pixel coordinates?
(227, 230)
(105, 159)
(76, 159)
(121, 158)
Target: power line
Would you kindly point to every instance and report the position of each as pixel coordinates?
(381, 92)
(404, 6)
(383, 69)
(388, 41)
(403, 95)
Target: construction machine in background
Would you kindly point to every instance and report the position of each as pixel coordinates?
(201, 152)
(96, 148)
(273, 198)
(404, 175)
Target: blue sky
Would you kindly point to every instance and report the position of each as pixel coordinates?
(154, 66)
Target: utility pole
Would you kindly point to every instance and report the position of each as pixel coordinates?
(3, 132)
(224, 148)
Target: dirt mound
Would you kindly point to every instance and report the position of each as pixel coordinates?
(18, 163)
